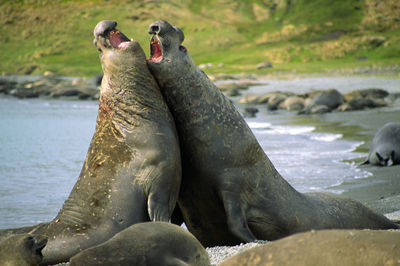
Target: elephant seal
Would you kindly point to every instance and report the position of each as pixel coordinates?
(326, 247)
(385, 146)
(156, 243)
(230, 191)
(132, 172)
(21, 250)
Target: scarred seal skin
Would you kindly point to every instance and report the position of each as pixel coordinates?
(150, 244)
(22, 250)
(230, 191)
(326, 247)
(132, 172)
(385, 146)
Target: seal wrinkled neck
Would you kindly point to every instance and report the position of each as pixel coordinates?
(127, 87)
(122, 59)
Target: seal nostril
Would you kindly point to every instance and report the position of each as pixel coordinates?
(155, 29)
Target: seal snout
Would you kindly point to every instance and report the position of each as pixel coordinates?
(111, 37)
(154, 28)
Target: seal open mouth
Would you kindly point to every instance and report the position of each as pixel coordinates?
(155, 50)
(118, 40)
(106, 36)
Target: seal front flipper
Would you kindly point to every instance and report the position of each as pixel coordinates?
(157, 208)
(235, 217)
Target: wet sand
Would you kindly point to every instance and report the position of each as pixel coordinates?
(381, 191)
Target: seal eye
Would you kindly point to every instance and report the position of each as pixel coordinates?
(182, 48)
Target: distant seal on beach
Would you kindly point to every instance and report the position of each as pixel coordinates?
(21, 250)
(385, 146)
(132, 172)
(230, 191)
(326, 247)
(157, 243)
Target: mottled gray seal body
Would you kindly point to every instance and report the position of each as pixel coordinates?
(327, 247)
(21, 250)
(149, 244)
(230, 191)
(385, 146)
(132, 171)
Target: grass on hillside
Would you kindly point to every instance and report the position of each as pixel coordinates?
(301, 35)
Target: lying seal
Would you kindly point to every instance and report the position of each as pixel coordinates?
(230, 190)
(21, 250)
(385, 146)
(148, 244)
(132, 171)
(327, 247)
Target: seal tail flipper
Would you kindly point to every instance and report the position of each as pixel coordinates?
(235, 217)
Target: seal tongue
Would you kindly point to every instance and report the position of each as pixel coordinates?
(155, 50)
(118, 39)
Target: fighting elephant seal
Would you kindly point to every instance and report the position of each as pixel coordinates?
(230, 190)
(326, 247)
(21, 250)
(132, 171)
(385, 146)
(157, 243)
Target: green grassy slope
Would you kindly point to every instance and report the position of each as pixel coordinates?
(301, 35)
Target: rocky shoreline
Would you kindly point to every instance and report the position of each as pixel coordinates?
(313, 102)
(51, 86)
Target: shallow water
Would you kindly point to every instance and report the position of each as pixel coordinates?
(44, 144)
(342, 84)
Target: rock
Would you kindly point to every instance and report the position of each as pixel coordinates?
(330, 98)
(265, 64)
(315, 109)
(233, 93)
(292, 103)
(255, 99)
(360, 104)
(6, 86)
(274, 100)
(232, 86)
(366, 93)
(250, 111)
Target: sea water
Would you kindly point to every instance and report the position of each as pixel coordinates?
(43, 145)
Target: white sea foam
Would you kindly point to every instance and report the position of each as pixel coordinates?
(256, 125)
(289, 130)
(325, 137)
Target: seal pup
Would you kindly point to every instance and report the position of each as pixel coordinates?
(157, 243)
(230, 191)
(326, 247)
(21, 250)
(385, 146)
(132, 172)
